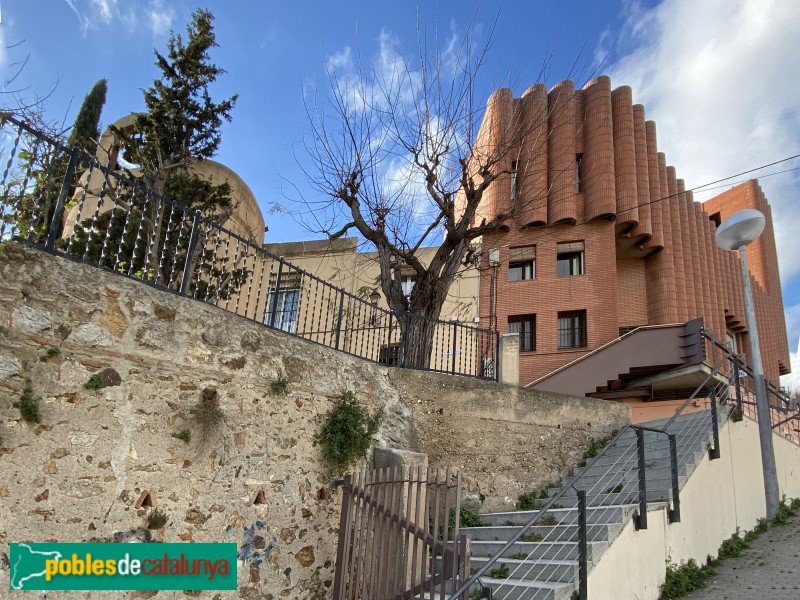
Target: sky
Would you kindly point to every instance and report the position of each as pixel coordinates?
(717, 76)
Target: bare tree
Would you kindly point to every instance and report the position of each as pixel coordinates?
(402, 154)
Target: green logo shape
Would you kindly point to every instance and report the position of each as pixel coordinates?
(97, 566)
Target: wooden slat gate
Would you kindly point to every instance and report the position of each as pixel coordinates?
(396, 535)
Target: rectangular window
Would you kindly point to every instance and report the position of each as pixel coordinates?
(578, 173)
(525, 326)
(570, 259)
(284, 302)
(522, 263)
(572, 329)
(514, 180)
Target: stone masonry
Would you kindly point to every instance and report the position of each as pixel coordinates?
(105, 458)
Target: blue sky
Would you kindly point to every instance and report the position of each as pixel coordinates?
(715, 75)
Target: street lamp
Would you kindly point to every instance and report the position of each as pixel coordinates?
(735, 233)
(373, 298)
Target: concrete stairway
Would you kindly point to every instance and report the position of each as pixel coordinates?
(543, 564)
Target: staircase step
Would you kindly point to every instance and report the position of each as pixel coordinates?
(565, 571)
(524, 589)
(539, 550)
(605, 514)
(550, 533)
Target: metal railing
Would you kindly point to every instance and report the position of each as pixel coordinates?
(639, 465)
(70, 204)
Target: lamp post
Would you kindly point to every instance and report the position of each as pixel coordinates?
(735, 233)
(373, 299)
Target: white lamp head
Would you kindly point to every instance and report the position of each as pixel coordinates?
(741, 229)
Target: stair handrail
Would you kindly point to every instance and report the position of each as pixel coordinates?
(539, 513)
(542, 511)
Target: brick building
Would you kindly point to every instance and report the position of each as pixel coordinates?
(604, 237)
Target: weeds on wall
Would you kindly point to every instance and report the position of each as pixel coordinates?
(684, 578)
(94, 383)
(532, 500)
(347, 433)
(280, 386)
(28, 404)
(51, 352)
(184, 435)
(466, 518)
(687, 577)
(595, 447)
(156, 519)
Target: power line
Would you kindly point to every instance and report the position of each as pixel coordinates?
(699, 187)
(744, 180)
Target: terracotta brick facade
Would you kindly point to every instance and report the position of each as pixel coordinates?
(589, 171)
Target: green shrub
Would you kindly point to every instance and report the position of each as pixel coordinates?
(466, 518)
(94, 383)
(733, 546)
(684, 578)
(501, 572)
(51, 352)
(280, 386)
(595, 447)
(28, 404)
(532, 500)
(785, 512)
(531, 537)
(184, 435)
(614, 489)
(761, 526)
(519, 556)
(347, 433)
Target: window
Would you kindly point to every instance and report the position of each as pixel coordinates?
(570, 259)
(522, 263)
(578, 173)
(514, 180)
(572, 329)
(525, 326)
(284, 302)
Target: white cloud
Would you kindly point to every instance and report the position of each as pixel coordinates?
(718, 78)
(793, 328)
(106, 9)
(160, 18)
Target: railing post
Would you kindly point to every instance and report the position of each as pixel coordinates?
(640, 520)
(188, 264)
(713, 453)
(339, 318)
(345, 538)
(389, 353)
(58, 213)
(583, 547)
(464, 552)
(496, 355)
(674, 514)
(736, 383)
(453, 349)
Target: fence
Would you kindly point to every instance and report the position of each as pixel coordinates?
(68, 203)
(393, 535)
(640, 465)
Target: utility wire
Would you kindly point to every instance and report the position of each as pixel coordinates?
(699, 187)
(744, 180)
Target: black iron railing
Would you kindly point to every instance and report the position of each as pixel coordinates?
(73, 205)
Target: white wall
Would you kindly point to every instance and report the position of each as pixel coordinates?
(720, 496)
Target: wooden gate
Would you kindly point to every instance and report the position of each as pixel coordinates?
(396, 535)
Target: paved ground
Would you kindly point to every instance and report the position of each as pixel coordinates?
(768, 570)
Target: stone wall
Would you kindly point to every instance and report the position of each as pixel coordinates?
(102, 460)
(507, 440)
